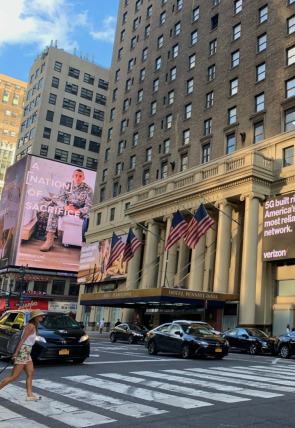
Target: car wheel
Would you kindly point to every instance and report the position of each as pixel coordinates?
(185, 351)
(113, 338)
(79, 360)
(152, 349)
(130, 339)
(253, 349)
(285, 352)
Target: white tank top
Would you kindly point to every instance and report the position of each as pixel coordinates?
(30, 340)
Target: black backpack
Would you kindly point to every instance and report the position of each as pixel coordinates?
(14, 341)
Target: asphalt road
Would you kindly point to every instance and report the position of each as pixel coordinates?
(120, 385)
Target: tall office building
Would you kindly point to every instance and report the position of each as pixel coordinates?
(12, 93)
(202, 109)
(64, 109)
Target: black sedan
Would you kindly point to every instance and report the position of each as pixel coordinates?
(285, 344)
(60, 337)
(128, 331)
(186, 339)
(250, 340)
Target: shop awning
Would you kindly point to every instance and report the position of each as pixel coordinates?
(153, 297)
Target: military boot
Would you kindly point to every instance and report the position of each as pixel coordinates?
(48, 243)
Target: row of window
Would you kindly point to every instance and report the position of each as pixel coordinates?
(35, 88)
(88, 78)
(15, 99)
(65, 138)
(36, 74)
(80, 125)
(85, 93)
(76, 159)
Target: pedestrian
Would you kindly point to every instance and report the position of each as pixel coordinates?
(288, 328)
(22, 355)
(101, 325)
(293, 328)
(118, 322)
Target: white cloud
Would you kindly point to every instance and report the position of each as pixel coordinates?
(107, 34)
(38, 22)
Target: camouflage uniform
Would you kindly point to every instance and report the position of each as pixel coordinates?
(80, 196)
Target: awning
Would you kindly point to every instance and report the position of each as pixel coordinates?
(154, 297)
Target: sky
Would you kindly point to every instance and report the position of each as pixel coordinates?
(28, 26)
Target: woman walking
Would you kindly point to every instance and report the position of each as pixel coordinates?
(22, 355)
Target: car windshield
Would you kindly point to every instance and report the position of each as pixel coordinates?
(195, 330)
(58, 321)
(256, 333)
(137, 327)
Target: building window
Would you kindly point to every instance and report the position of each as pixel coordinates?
(44, 150)
(112, 113)
(104, 175)
(166, 146)
(259, 102)
(52, 99)
(288, 156)
(55, 82)
(188, 111)
(146, 177)
(263, 14)
(140, 96)
(213, 47)
(189, 86)
(289, 122)
(77, 159)
(63, 137)
(230, 143)
(71, 88)
(149, 11)
(177, 29)
(142, 74)
(291, 24)
(260, 72)
(214, 22)
(148, 155)
(196, 14)
(98, 114)
(170, 97)
(40, 83)
(102, 194)
(208, 126)
(147, 31)
(137, 116)
(231, 115)
(261, 42)
(98, 219)
(47, 133)
(118, 168)
(194, 37)
(94, 146)
(120, 147)
(133, 42)
(125, 104)
(258, 132)
(192, 61)
(96, 130)
(175, 51)
(112, 214)
(144, 54)
(69, 104)
(155, 85)
(237, 31)
(130, 183)
(73, 72)
(162, 17)
(164, 169)
(168, 121)
(233, 86)
(209, 99)
(235, 58)
(132, 162)
(49, 116)
(120, 53)
(238, 5)
(206, 153)
(66, 121)
(117, 75)
(151, 130)
(57, 66)
(135, 139)
(58, 287)
(128, 85)
(158, 63)
(82, 126)
(290, 88)
(178, 4)
(110, 133)
(153, 107)
(79, 142)
(87, 94)
(183, 162)
(103, 84)
(122, 37)
(115, 94)
(185, 137)
(100, 99)
(211, 72)
(61, 155)
(123, 125)
(172, 74)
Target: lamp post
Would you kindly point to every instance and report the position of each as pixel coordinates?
(7, 301)
(22, 271)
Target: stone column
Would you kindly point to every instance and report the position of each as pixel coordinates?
(222, 260)
(133, 273)
(196, 276)
(182, 268)
(249, 260)
(209, 258)
(169, 259)
(80, 308)
(150, 256)
(236, 252)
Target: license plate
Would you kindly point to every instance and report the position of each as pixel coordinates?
(64, 352)
(218, 350)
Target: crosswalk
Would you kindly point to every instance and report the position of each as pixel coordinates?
(88, 401)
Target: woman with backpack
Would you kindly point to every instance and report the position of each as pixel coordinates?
(22, 355)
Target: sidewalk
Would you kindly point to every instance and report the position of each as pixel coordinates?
(96, 335)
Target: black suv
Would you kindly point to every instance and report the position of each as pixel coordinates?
(60, 337)
(285, 344)
(250, 340)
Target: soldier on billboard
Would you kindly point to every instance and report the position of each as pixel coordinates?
(76, 200)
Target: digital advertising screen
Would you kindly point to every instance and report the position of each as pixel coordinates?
(93, 261)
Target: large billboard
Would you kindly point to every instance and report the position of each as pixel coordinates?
(93, 261)
(278, 241)
(55, 202)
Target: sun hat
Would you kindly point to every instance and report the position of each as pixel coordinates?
(35, 313)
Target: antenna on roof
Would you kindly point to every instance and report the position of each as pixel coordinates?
(51, 43)
(56, 43)
(81, 54)
(75, 51)
(92, 58)
(86, 56)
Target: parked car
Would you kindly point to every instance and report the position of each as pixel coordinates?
(128, 331)
(250, 340)
(187, 339)
(285, 345)
(204, 324)
(59, 337)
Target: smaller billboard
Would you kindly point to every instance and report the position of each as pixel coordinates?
(93, 261)
(278, 242)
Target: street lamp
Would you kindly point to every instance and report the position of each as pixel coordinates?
(22, 271)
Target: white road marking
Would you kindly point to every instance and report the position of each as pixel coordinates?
(271, 372)
(206, 384)
(101, 401)
(129, 361)
(280, 370)
(70, 415)
(225, 398)
(141, 393)
(9, 419)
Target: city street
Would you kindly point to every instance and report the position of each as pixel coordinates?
(120, 385)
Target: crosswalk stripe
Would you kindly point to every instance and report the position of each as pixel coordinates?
(270, 373)
(225, 398)
(141, 393)
(206, 384)
(124, 407)
(231, 378)
(70, 415)
(275, 369)
(10, 419)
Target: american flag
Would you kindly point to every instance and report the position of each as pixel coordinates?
(117, 246)
(132, 244)
(198, 226)
(178, 229)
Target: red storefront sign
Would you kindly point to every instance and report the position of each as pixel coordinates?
(27, 304)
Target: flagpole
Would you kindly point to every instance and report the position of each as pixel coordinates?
(146, 229)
